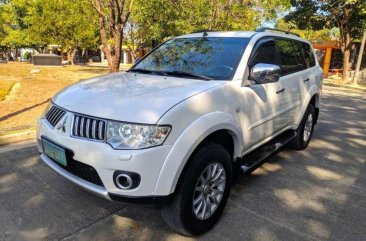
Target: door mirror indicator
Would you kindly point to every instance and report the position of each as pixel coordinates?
(265, 73)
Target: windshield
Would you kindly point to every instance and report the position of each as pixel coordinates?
(204, 57)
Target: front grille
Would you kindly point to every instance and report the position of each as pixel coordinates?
(82, 170)
(54, 115)
(90, 128)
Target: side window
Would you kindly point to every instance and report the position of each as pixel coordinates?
(264, 52)
(309, 55)
(291, 56)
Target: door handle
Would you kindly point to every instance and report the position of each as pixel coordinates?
(306, 80)
(280, 91)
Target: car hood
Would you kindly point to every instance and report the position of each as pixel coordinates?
(129, 97)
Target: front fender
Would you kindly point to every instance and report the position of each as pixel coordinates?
(187, 142)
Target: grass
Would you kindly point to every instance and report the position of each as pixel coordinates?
(5, 87)
(37, 86)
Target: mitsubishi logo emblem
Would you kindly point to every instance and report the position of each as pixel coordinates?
(62, 124)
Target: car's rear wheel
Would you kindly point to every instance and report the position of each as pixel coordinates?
(202, 193)
(305, 130)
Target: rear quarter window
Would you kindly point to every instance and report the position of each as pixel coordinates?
(308, 55)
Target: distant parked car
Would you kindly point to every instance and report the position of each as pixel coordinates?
(181, 122)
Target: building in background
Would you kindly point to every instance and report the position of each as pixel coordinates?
(330, 56)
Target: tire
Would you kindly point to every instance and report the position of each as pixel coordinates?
(179, 213)
(302, 139)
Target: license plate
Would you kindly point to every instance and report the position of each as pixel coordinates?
(55, 152)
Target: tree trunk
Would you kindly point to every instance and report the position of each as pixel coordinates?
(346, 54)
(70, 57)
(134, 55)
(345, 69)
(113, 23)
(115, 62)
(359, 59)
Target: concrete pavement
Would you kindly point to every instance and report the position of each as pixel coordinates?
(316, 194)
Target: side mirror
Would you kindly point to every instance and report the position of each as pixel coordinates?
(265, 73)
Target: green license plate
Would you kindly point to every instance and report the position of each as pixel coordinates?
(55, 152)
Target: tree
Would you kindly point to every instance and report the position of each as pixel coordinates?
(349, 16)
(134, 38)
(112, 18)
(309, 34)
(39, 23)
(163, 19)
(12, 25)
(65, 23)
(159, 19)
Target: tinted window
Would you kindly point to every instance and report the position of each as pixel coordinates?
(265, 53)
(214, 57)
(291, 56)
(308, 54)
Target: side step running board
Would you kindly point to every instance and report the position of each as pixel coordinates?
(257, 156)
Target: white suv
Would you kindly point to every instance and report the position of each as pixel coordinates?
(176, 128)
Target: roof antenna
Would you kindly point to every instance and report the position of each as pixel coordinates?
(205, 34)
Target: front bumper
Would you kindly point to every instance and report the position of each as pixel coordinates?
(106, 161)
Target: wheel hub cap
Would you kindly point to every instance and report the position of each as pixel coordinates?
(308, 127)
(209, 190)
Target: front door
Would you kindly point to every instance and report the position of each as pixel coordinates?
(259, 121)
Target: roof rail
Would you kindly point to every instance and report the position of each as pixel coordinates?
(204, 31)
(264, 29)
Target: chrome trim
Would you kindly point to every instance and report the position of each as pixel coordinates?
(81, 128)
(129, 180)
(100, 191)
(94, 126)
(60, 114)
(54, 115)
(100, 130)
(87, 127)
(76, 124)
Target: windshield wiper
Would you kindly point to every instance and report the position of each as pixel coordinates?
(187, 74)
(146, 71)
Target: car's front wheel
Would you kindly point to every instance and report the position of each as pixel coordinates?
(202, 193)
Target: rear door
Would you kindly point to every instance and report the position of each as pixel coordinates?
(313, 72)
(293, 73)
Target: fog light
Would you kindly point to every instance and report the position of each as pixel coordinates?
(126, 180)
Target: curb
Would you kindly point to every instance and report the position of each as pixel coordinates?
(17, 137)
(344, 86)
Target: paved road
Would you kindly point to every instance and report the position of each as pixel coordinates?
(316, 194)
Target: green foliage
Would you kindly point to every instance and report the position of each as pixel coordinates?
(37, 23)
(347, 15)
(71, 24)
(12, 25)
(158, 20)
(309, 34)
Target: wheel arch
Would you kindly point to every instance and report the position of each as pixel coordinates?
(315, 101)
(312, 97)
(220, 128)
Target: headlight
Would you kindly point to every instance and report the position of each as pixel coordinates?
(132, 136)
